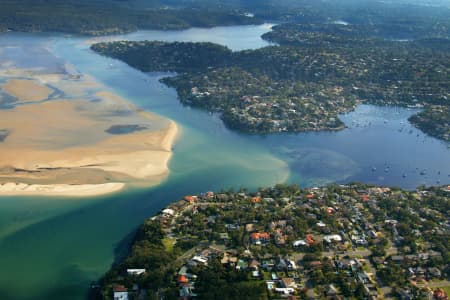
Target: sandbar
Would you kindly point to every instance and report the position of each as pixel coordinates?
(27, 90)
(62, 146)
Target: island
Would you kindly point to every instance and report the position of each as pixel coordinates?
(352, 241)
(64, 134)
(315, 73)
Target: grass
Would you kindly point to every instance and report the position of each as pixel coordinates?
(168, 244)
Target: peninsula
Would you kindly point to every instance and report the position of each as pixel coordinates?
(317, 72)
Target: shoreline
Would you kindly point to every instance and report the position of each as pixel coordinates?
(146, 176)
(66, 190)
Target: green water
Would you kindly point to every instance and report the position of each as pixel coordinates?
(53, 248)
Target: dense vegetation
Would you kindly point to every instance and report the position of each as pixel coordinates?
(102, 17)
(302, 84)
(113, 16)
(336, 240)
(435, 120)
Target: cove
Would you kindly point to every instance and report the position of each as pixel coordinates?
(52, 248)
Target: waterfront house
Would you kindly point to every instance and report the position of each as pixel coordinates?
(120, 292)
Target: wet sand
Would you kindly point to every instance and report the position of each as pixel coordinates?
(27, 90)
(85, 190)
(62, 146)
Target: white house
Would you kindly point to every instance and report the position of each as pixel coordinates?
(120, 292)
(169, 212)
(135, 271)
(299, 243)
(332, 238)
(200, 259)
(286, 291)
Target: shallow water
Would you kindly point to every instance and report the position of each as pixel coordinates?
(52, 248)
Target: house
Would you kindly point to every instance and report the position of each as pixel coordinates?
(120, 292)
(229, 260)
(285, 291)
(182, 279)
(168, 212)
(343, 264)
(332, 238)
(249, 227)
(254, 264)
(224, 236)
(186, 292)
(258, 238)
(440, 294)
(267, 264)
(299, 243)
(183, 270)
(270, 285)
(309, 239)
(256, 199)
(321, 224)
(209, 195)
(190, 199)
(200, 259)
(282, 265)
(434, 272)
(256, 274)
(241, 265)
(288, 283)
(397, 258)
(370, 290)
(331, 290)
(405, 294)
(135, 271)
(291, 265)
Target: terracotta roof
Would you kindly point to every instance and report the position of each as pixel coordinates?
(260, 235)
(440, 294)
(119, 288)
(309, 239)
(182, 279)
(256, 199)
(189, 198)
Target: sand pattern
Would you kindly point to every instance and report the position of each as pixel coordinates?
(27, 90)
(65, 147)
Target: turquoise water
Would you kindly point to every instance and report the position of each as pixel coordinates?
(52, 248)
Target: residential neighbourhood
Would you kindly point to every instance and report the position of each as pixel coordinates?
(314, 73)
(334, 242)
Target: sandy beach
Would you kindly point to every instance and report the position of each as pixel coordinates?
(80, 190)
(79, 146)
